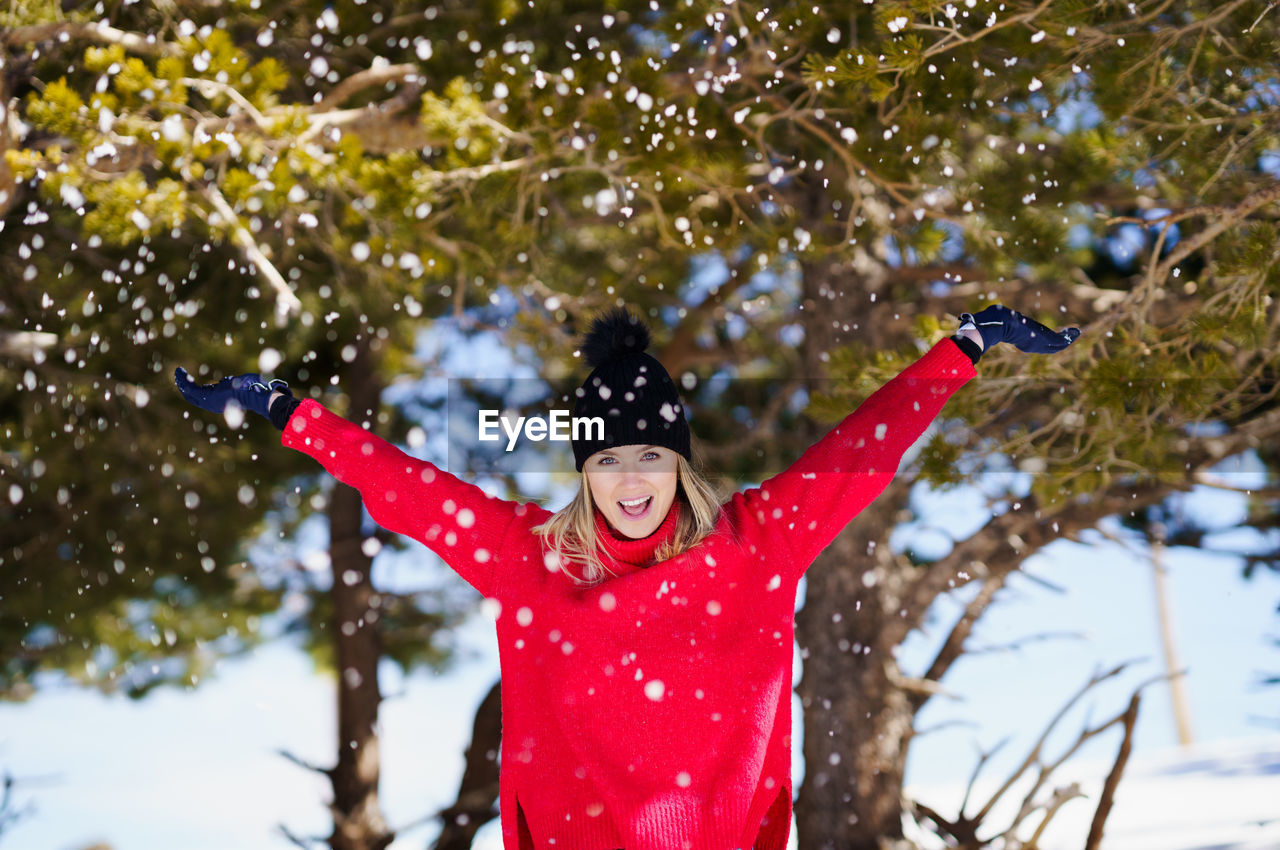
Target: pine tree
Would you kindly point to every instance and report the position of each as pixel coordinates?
(797, 193)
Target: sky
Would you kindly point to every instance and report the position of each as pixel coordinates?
(203, 769)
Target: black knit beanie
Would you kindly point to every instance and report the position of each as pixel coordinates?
(628, 389)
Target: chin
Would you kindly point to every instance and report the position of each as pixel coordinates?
(636, 530)
(636, 533)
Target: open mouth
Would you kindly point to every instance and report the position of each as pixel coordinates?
(636, 508)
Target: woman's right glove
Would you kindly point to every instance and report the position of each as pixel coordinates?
(248, 391)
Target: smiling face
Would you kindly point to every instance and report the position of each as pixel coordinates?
(633, 486)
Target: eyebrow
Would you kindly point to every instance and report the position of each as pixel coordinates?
(612, 451)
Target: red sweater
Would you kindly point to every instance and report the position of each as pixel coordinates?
(651, 711)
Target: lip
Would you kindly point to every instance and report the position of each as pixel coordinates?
(636, 517)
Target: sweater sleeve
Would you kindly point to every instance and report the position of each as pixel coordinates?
(456, 519)
(801, 509)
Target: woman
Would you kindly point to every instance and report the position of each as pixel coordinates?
(645, 632)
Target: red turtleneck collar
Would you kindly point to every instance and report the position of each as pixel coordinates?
(632, 554)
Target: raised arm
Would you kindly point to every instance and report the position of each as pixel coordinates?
(456, 519)
(802, 509)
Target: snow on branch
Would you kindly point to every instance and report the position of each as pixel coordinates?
(91, 31)
(27, 345)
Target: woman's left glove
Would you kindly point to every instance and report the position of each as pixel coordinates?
(248, 391)
(998, 324)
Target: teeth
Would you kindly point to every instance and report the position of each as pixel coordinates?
(634, 503)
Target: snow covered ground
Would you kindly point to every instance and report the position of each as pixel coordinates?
(1220, 796)
(1209, 797)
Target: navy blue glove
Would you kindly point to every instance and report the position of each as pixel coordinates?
(999, 324)
(249, 391)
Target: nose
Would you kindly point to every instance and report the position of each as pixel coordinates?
(630, 473)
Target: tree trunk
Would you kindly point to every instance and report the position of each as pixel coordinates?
(478, 793)
(857, 723)
(358, 823)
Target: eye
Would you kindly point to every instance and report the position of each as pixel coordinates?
(606, 459)
(652, 454)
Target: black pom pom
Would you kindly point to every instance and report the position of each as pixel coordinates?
(613, 334)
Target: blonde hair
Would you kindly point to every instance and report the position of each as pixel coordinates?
(571, 532)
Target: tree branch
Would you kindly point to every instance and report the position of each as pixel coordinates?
(1033, 757)
(478, 172)
(299, 841)
(947, 43)
(27, 345)
(680, 352)
(1258, 19)
(964, 828)
(1001, 546)
(1226, 219)
(287, 304)
(91, 31)
(361, 80)
(306, 765)
(207, 86)
(1021, 642)
(953, 646)
(1130, 717)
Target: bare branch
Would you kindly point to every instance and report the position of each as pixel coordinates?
(680, 351)
(1033, 757)
(287, 304)
(306, 765)
(983, 758)
(947, 43)
(1021, 642)
(953, 646)
(917, 734)
(1113, 778)
(918, 690)
(376, 123)
(1004, 543)
(764, 430)
(479, 172)
(208, 87)
(1258, 19)
(299, 841)
(1204, 479)
(964, 829)
(994, 547)
(1046, 770)
(368, 78)
(1059, 798)
(9, 812)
